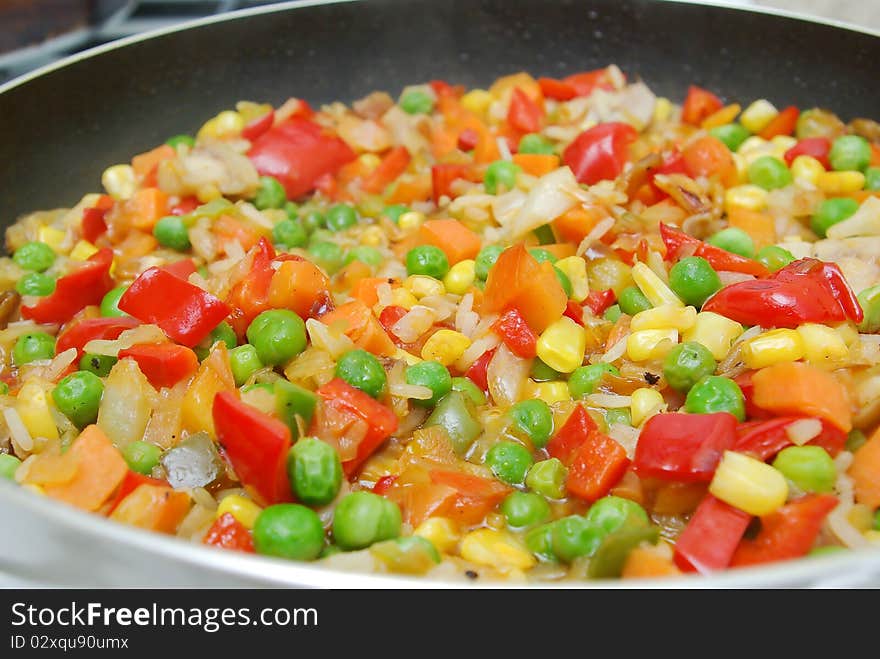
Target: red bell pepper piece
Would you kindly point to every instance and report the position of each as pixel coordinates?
(764, 439)
(699, 104)
(806, 291)
(816, 147)
(468, 139)
(782, 124)
(388, 319)
(256, 445)
(250, 297)
(228, 533)
(477, 372)
(181, 269)
(599, 301)
(683, 447)
(473, 498)
(384, 484)
(673, 163)
(442, 177)
(393, 165)
(711, 536)
(571, 435)
(788, 532)
(164, 364)
(443, 88)
(185, 312)
(574, 311)
(298, 152)
(380, 420)
(185, 206)
(93, 225)
(720, 259)
(79, 334)
(129, 484)
(596, 466)
(587, 82)
(557, 89)
(84, 286)
(258, 126)
(524, 114)
(601, 152)
(516, 334)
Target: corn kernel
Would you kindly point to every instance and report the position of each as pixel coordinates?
(822, 345)
(861, 517)
(575, 268)
(83, 250)
(742, 168)
(53, 237)
(747, 197)
(715, 332)
(32, 406)
(549, 392)
(654, 288)
(441, 531)
(401, 297)
(369, 161)
(410, 220)
(773, 347)
(752, 145)
(645, 403)
(460, 277)
(207, 193)
(662, 109)
(756, 117)
(664, 317)
(373, 236)
(226, 124)
(408, 357)
(723, 116)
(848, 332)
(748, 484)
(244, 510)
(806, 168)
(476, 101)
(839, 183)
(781, 144)
(873, 537)
(496, 549)
(119, 181)
(445, 346)
(649, 344)
(562, 345)
(423, 285)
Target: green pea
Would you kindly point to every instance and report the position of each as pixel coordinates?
(289, 233)
(486, 258)
(4, 389)
(471, 391)
(524, 509)
(141, 456)
(770, 173)
(542, 255)
(416, 101)
(394, 212)
(9, 464)
(850, 152)
(693, 279)
(564, 281)
(365, 254)
(539, 541)
(631, 300)
(584, 379)
(686, 364)
(110, 303)
(733, 135)
(34, 256)
(78, 396)
(32, 347)
(808, 467)
(171, 231)
(855, 439)
(427, 260)
(876, 525)
(327, 255)
(100, 365)
(872, 178)
(500, 173)
(715, 393)
(315, 471)
(244, 362)
(35, 283)
(547, 478)
(774, 258)
(509, 461)
(313, 219)
(869, 300)
(433, 375)
(363, 371)
(612, 313)
(453, 413)
(618, 415)
(270, 194)
(278, 335)
(534, 143)
(289, 530)
(340, 217)
(830, 212)
(363, 518)
(610, 513)
(535, 419)
(542, 373)
(320, 236)
(826, 550)
(411, 554)
(223, 332)
(179, 140)
(294, 402)
(292, 210)
(734, 240)
(574, 536)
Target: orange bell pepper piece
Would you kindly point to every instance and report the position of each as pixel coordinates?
(865, 472)
(153, 507)
(228, 228)
(455, 239)
(574, 225)
(361, 326)
(708, 156)
(537, 164)
(297, 285)
(760, 226)
(146, 164)
(365, 289)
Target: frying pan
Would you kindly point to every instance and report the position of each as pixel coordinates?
(64, 124)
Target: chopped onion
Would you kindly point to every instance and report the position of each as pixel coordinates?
(404, 390)
(626, 436)
(551, 196)
(727, 277)
(803, 430)
(601, 228)
(506, 375)
(334, 342)
(477, 348)
(615, 352)
(466, 319)
(134, 336)
(505, 207)
(609, 401)
(416, 322)
(19, 432)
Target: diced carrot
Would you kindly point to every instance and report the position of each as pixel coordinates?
(411, 190)
(560, 250)
(675, 498)
(486, 150)
(629, 487)
(643, 563)
(865, 472)
(574, 225)
(228, 228)
(760, 226)
(455, 239)
(297, 285)
(537, 164)
(100, 470)
(153, 507)
(145, 164)
(708, 156)
(135, 245)
(365, 289)
(146, 207)
(348, 277)
(393, 165)
(799, 388)
(214, 375)
(361, 326)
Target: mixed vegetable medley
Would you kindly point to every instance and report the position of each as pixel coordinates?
(555, 329)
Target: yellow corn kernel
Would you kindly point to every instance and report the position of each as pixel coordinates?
(403, 298)
(562, 345)
(477, 101)
(723, 116)
(773, 347)
(664, 317)
(756, 117)
(460, 277)
(82, 250)
(496, 549)
(53, 237)
(747, 197)
(848, 332)
(748, 484)
(423, 285)
(650, 344)
(753, 145)
(575, 268)
(822, 345)
(861, 517)
(445, 346)
(806, 168)
(119, 181)
(408, 357)
(839, 183)
(369, 161)
(373, 236)
(441, 531)
(32, 406)
(662, 109)
(244, 510)
(742, 168)
(644, 403)
(226, 124)
(410, 220)
(549, 392)
(654, 288)
(781, 144)
(873, 537)
(715, 332)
